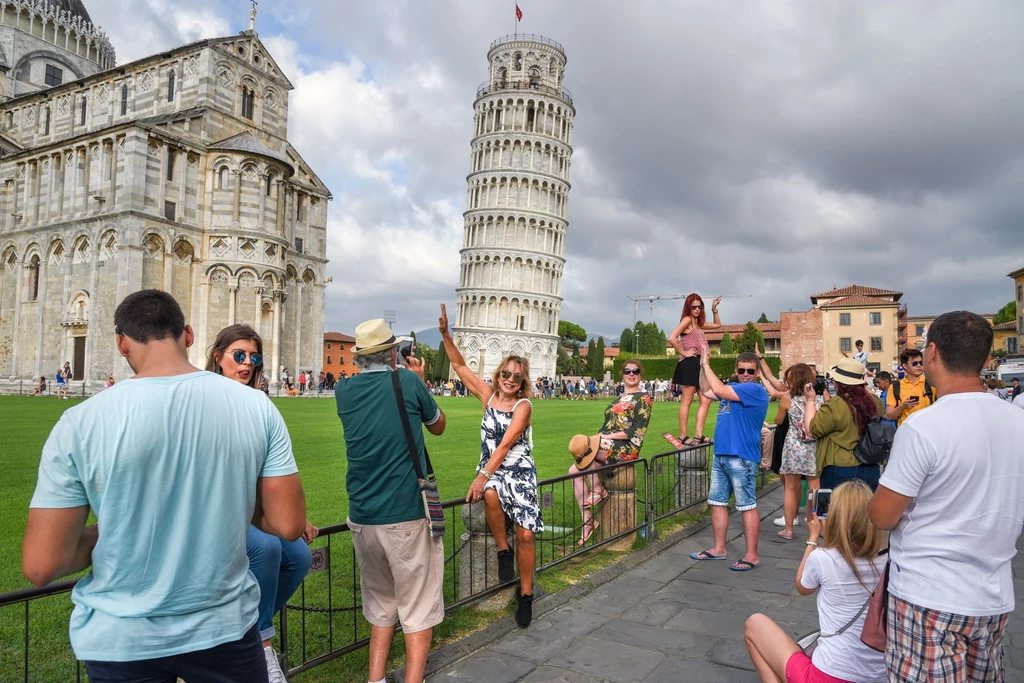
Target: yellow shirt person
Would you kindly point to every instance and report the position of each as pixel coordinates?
(911, 390)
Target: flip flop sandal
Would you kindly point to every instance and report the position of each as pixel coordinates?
(705, 441)
(588, 530)
(592, 501)
(743, 566)
(690, 442)
(787, 536)
(705, 555)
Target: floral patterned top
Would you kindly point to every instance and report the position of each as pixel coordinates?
(629, 413)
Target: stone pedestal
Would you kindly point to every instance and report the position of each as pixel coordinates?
(478, 561)
(618, 511)
(691, 478)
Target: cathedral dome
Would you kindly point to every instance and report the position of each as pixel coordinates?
(75, 7)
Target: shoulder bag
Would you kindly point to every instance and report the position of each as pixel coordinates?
(809, 642)
(874, 633)
(427, 483)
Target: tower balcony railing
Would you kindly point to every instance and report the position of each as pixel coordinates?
(532, 37)
(489, 88)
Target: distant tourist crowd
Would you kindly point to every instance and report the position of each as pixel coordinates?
(913, 510)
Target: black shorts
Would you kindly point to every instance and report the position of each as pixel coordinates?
(687, 372)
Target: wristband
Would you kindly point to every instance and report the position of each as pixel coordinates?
(814, 543)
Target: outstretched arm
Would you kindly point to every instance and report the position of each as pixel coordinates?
(715, 389)
(476, 386)
(714, 312)
(776, 389)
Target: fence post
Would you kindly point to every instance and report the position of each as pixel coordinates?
(650, 530)
(20, 383)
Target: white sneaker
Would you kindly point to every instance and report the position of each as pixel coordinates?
(274, 673)
(781, 521)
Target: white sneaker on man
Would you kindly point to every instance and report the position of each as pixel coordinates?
(781, 521)
(274, 672)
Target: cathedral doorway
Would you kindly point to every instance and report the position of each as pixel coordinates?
(78, 364)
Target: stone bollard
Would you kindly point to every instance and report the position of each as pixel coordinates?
(478, 561)
(691, 477)
(618, 511)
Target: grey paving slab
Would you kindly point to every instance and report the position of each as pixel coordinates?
(687, 671)
(550, 634)
(554, 674)
(611, 661)
(486, 665)
(709, 622)
(665, 641)
(615, 597)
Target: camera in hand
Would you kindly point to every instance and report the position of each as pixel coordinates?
(405, 347)
(819, 385)
(820, 502)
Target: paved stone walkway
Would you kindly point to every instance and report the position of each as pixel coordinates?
(674, 619)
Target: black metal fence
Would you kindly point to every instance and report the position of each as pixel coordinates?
(324, 620)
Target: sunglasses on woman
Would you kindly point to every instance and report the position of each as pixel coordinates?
(746, 371)
(630, 371)
(697, 307)
(254, 358)
(516, 377)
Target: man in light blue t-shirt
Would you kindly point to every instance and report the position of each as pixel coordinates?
(174, 463)
(742, 408)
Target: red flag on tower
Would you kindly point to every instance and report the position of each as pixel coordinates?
(519, 13)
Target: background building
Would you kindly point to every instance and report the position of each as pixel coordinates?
(772, 337)
(338, 354)
(1018, 296)
(838, 319)
(171, 172)
(513, 254)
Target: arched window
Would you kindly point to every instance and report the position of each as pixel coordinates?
(33, 282)
(124, 100)
(222, 178)
(248, 102)
(85, 105)
(170, 86)
(270, 181)
(328, 360)
(46, 125)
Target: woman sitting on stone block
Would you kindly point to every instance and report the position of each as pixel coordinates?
(620, 440)
(506, 474)
(278, 565)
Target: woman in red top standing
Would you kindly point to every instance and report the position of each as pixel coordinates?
(689, 341)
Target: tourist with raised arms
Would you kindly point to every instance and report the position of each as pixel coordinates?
(278, 565)
(690, 343)
(506, 475)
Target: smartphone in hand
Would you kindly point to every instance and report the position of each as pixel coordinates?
(819, 501)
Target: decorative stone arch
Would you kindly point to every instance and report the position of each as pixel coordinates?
(56, 252)
(517, 348)
(80, 248)
(269, 280)
(291, 274)
(309, 277)
(151, 237)
(225, 74)
(249, 168)
(110, 241)
(183, 249)
(271, 98)
(78, 306)
(247, 278)
(30, 250)
(10, 257)
(51, 55)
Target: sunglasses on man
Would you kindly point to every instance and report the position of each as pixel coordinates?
(746, 371)
(255, 358)
(917, 363)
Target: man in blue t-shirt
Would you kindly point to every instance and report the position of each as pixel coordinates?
(175, 463)
(742, 407)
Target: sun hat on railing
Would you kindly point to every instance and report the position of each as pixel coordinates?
(373, 336)
(849, 371)
(584, 449)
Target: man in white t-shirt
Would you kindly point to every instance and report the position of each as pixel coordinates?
(952, 494)
(1019, 401)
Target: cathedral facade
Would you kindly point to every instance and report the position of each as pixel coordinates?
(172, 172)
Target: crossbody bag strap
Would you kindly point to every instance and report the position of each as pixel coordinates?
(413, 454)
(863, 607)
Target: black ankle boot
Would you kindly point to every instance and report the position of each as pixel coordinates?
(506, 565)
(524, 612)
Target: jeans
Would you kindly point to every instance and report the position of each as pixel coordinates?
(241, 661)
(279, 568)
(732, 475)
(833, 476)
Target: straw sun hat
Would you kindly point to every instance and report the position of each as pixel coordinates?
(373, 336)
(584, 449)
(849, 371)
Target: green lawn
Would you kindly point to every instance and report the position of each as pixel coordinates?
(319, 450)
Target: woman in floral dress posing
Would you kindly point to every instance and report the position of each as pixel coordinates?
(506, 475)
(799, 455)
(625, 424)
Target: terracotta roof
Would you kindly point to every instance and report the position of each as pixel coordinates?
(770, 331)
(858, 301)
(856, 290)
(1008, 325)
(1016, 273)
(609, 351)
(338, 337)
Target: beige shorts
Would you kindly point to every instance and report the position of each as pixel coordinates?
(401, 573)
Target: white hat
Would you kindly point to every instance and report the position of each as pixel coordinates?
(373, 336)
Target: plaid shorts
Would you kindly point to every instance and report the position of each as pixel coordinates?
(928, 645)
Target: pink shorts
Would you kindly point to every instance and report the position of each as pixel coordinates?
(800, 669)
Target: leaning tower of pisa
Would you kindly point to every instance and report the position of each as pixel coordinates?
(513, 251)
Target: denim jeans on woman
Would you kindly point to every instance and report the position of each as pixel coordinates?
(279, 567)
(832, 476)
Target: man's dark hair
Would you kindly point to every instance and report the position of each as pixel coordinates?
(884, 375)
(149, 315)
(748, 358)
(859, 342)
(1015, 380)
(964, 341)
(912, 353)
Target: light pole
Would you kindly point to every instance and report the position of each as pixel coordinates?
(389, 317)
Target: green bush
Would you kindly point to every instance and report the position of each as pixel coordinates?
(662, 368)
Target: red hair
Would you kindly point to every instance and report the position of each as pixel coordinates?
(687, 311)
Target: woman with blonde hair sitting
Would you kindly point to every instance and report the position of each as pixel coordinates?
(844, 570)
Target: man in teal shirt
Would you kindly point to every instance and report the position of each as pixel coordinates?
(175, 463)
(401, 564)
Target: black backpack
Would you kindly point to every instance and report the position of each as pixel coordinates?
(876, 443)
(929, 391)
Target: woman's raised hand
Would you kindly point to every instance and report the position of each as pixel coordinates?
(442, 322)
(714, 304)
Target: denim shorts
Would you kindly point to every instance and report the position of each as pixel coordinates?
(731, 474)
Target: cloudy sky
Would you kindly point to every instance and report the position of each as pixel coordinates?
(766, 148)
